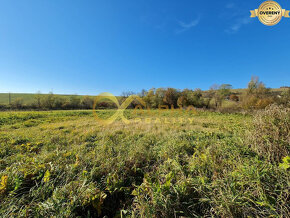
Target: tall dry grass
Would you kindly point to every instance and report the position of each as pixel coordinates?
(270, 135)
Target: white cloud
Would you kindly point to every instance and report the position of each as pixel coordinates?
(187, 26)
(238, 24)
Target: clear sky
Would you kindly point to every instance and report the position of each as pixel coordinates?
(93, 46)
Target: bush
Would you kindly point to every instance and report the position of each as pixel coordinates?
(87, 102)
(17, 103)
(270, 135)
(285, 98)
(252, 102)
(234, 97)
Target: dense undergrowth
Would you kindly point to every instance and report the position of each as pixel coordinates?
(65, 164)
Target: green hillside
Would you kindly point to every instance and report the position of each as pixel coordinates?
(27, 98)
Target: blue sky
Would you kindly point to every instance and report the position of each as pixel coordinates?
(93, 46)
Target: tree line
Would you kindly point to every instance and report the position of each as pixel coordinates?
(218, 97)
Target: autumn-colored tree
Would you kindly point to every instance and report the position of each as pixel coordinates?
(257, 88)
(257, 96)
(182, 101)
(171, 96)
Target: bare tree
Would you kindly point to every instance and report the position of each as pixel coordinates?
(38, 98)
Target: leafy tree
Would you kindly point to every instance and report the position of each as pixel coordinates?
(159, 97)
(219, 93)
(58, 103)
(87, 102)
(195, 98)
(48, 101)
(224, 90)
(171, 96)
(150, 98)
(75, 102)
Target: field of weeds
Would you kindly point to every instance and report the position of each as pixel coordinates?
(66, 164)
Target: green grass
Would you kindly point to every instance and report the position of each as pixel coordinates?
(66, 164)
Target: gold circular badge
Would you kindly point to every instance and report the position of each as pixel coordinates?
(270, 13)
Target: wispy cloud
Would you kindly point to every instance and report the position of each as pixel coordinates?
(187, 26)
(235, 16)
(230, 5)
(238, 24)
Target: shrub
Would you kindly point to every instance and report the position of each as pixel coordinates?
(285, 98)
(234, 97)
(270, 133)
(87, 102)
(252, 102)
(17, 103)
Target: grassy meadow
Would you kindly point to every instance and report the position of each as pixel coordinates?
(162, 164)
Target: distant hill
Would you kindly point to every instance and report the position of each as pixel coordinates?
(27, 98)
